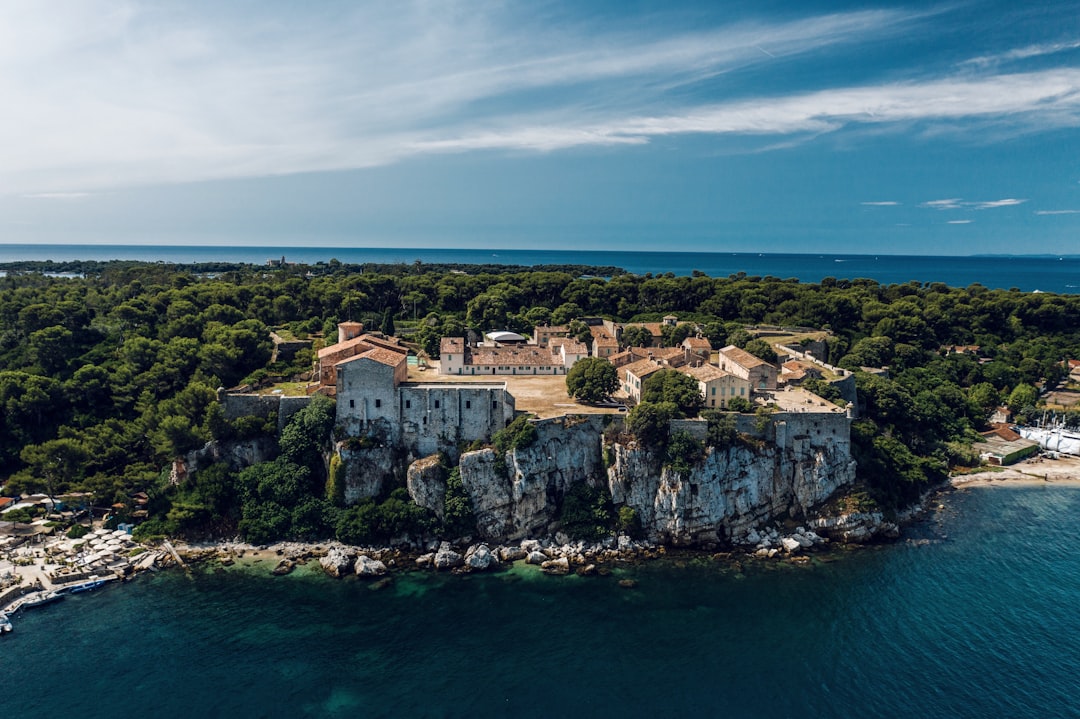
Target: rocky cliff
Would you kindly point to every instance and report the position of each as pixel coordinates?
(518, 494)
(731, 491)
(803, 460)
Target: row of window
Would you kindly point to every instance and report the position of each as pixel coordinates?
(408, 404)
(742, 391)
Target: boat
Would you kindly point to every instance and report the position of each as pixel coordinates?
(44, 598)
(83, 586)
(5, 624)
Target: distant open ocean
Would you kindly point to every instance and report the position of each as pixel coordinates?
(978, 617)
(1026, 273)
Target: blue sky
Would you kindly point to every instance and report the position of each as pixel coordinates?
(920, 127)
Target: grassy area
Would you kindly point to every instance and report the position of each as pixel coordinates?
(289, 389)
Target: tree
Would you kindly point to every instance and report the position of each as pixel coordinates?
(388, 328)
(672, 386)
(636, 336)
(1022, 396)
(761, 349)
(592, 379)
(56, 462)
(648, 422)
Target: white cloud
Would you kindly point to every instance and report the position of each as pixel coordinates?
(1024, 53)
(950, 204)
(959, 222)
(883, 203)
(116, 93)
(1008, 202)
(956, 203)
(1057, 212)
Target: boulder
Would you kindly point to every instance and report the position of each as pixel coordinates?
(625, 543)
(425, 560)
(511, 554)
(479, 558)
(368, 567)
(337, 562)
(285, 566)
(562, 538)
(536, 557)
(530, 545)
(589, 570)
(803, 540)
(556, 566)
(447, 558)
(790, 545)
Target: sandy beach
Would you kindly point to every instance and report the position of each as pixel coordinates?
(1035, 471)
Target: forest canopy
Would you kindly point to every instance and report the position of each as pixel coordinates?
(108, 374)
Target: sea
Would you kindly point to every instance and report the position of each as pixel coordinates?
(975, 613)
(1028, 273)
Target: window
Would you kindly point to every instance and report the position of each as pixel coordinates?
(425, 420)
(714, 391)
(436, 404)
(468, 404)
(408, 404)
(494, 404)
(378, 403)
(352, 403)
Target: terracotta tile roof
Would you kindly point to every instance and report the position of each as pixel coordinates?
(706, 372)
(741, 357)
(362, 344)
(641, 368)
(452, 345)
(1003, 431)
(341, 346)
(380, 355)
(696, 343)
(548, 329)
(528, 355)
(572, 345)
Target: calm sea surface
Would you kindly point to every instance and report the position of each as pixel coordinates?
(981, 621)
(1047, 274)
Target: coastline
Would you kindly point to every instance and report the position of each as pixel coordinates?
(1064, 471)
(554, 556)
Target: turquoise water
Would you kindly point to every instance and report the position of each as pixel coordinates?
(1027, 273)
(981, 620)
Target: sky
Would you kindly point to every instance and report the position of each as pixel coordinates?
(947, 128)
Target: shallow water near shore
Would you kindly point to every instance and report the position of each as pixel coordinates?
(980, 619)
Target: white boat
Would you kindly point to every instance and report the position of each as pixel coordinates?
(44, 598)
(82, 586)
(5, 624)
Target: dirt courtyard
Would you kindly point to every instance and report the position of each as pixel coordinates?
(543, 396)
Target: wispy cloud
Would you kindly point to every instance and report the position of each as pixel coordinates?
(959, 222)
(1057, 212)
(956, 203)
(113, 94)
(950, 204)
(1024, 53)
(882, 203)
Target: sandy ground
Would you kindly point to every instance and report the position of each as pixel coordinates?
(1063, 471)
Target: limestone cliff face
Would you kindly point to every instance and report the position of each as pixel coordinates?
(518, 495)
(366, 471)
(238, 454)
(798, 463)
(731, 491)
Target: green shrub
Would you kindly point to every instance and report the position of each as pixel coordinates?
(77, 530)
(683, 452)
(587, 512)
(519, 434)
(629, 522)
(458, 517)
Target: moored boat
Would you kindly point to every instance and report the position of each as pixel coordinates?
(44, 598)
(5, 624)
(82, 586)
